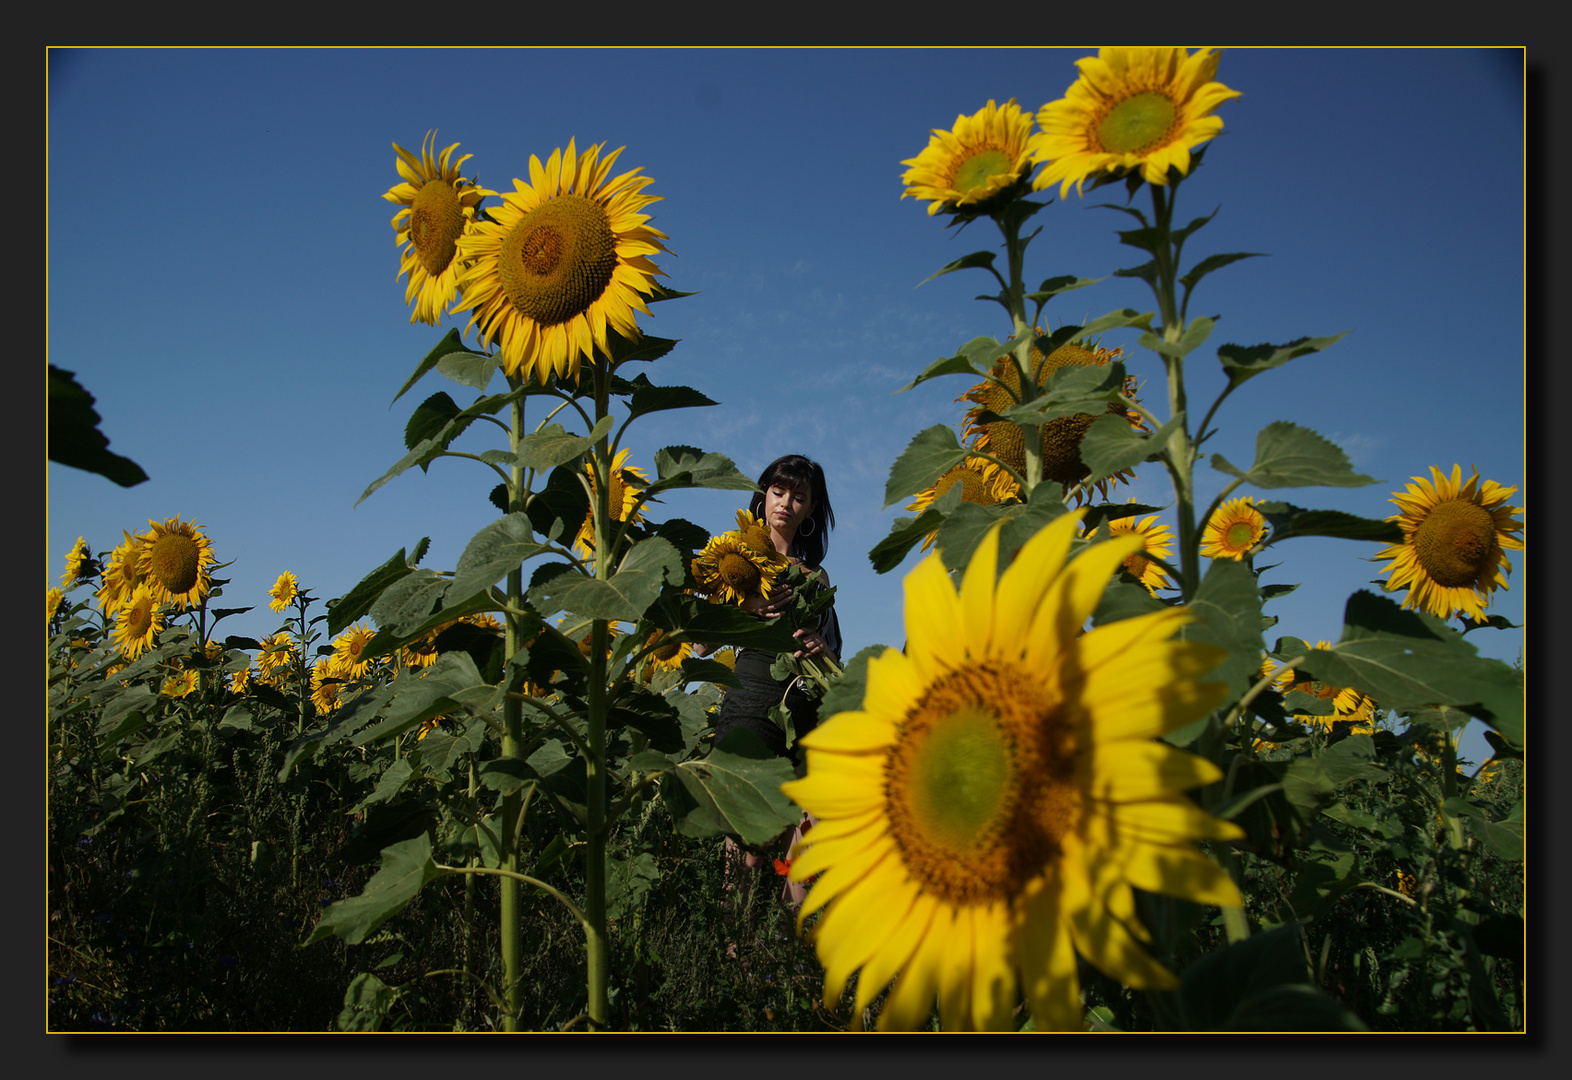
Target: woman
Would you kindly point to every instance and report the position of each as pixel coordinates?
(794, 504)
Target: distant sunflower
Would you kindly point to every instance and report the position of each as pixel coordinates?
(729, 569)
(137, 623)
(78, 559)
(326, 682)
(1156, 540)
(1132, 108)
(564, 260)
(1454, 531)
(624, 496)
(240, 681)
(976, 164)
(283, 592)
(1233, 529)
(485, 620)
(422, 652)
(349, 659)
(1347, 704)
(1061, 438)
(175, 561)
(181, 684)
(667, 656)
(122, 573)
(276, 658)
(52, 601)
(438, 206)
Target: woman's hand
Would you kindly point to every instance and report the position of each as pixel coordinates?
(812, 644)
(769, 607)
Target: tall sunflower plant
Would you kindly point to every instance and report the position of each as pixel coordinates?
(579, 710)
(1079, 762)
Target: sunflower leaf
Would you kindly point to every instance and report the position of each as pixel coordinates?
(906, 534)
(690, 467)
(406, 866)
(982, 259)
(468, 368)
(552, 445)
(1406, 659)
(409, 601)
(1288, 456)
(1215, 262)
(1241, 363)
(648, 398)
(1114, 320)
(1062, 284)
(422, 694)
(697, 669)
(626, 595)
(687, 618)
(947, 365)
(1229, 606)
(932, 452)
(1111, 445)
(357, 602)
(491, 553)
(1072, 390)
(452, 341)
(964, 529)
(1198, 330)
(1288, 521)
(736, 791)
(74, 438)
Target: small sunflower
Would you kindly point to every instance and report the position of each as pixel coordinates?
(422, 652)
(349, 659)
(983, 158)
(283, 592)
(137, 622)
(122, 572)
(52, 601)
(753, 531)
(730, 569)
(175, 559)
(78, 561)
(181, 684)
(564, 260)
(240, 681)
(1132, 108)
(1348, 704)
(624, 496)
(988, 813)
(1061, 438)
(1233, 529)
(485, 620)
(276, 658)
(667, 656)
(1156, 540)
(438, 207)
(326, 683)
(1451, 556)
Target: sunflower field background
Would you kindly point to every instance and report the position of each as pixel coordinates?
(322, 756)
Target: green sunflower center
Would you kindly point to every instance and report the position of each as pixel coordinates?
(558, 259)
(1137, 122)
(739, 573)
(1456, 542)
(979, 788)
(175, 561)
(436, 221)
(1239, 536)
(980, 167)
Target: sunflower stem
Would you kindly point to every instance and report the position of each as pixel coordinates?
(1021, 355)
(597, 958)
(512, 745)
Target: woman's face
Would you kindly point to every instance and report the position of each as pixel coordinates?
(786, 507)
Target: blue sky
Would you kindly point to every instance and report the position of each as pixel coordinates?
(222, 279)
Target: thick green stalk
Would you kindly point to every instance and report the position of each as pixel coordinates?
(512, 747)
(597, 954)
(1015, 293)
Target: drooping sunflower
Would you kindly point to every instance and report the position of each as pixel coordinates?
(1348, 704)
(1451, 557)
(283, 592)
(666, 656)
(438, 207)
(137, 622)
(349, 659)
(985, 816)
(52, 601)
(753, 531)
(1233, 529)
(1061, 438)
(623, 497)
(76, 559)
(1132, 108)
(983, 158)
(175, 558)
(122, 572)
(730, 569)
(1156, 540)
(564, 260)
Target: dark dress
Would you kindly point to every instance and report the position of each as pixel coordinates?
(749, 705)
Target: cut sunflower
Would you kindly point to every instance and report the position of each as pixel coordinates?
(975, 165)
(1061, 438)
(1156, 540)
(137, 622)
(438, 207)
(1451, 557)
(986, 815)
(623, 498)
(730, 569)
(283, 592)
(1132, 108)
(564, 261)
(1233, 529)
(175, 558)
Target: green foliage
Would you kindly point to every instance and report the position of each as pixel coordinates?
(74, 438)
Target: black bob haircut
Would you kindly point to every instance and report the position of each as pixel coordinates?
(796, 471)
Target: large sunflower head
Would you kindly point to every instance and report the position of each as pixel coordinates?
(137, 622)
(987, 813)
(1233, 529)
(1061, 438)
(283, 592)
(564, 261)
(1347, 703)
(1156, 540)
(438, 207)
(623, 498)
(730, 569)
(1132, 108)
(1454, 532)
(977, 165)
(753, 531)
(175, 558)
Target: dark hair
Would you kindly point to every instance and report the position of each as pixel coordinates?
(796, 471)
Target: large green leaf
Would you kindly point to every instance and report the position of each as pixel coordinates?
(491, 553)
(1241, 363)
(688, 618)
(1216, 984)
(73, 435)
(1352, 758)
(932, 452)
(1289, 456)
(1504, 837)
(736, 790)
(1193, 335)
(1229, 606)
(450, 686)
(429, 418)
(975, 358)
(690, 467)
(1111, 444)
(357, 602)
(964, 529)
(906, 534)
(409, 601)
(648, 398)
(1288, 520)
(625, 596)
(405, 868)
(554, 445)
(1073, 390)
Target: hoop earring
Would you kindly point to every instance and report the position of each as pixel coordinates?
(803, 530)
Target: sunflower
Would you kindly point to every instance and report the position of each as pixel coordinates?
(1451, 556)
(181, 684)
(485, 620)
(982, 483)
(122, 572)
(422, 652)
(276, 658)
(989, 811)
(79, 561)
(240, 681)
(730, 569)
(1233, 529)
(1061, 438)
(438, 207)
(349, 659)
(175, 558)
(983, 158)
(564, 260)
(283, 592)
(326, 682)
(52, 601)
(623, 498)
(1348, 704)
(1156, 540)
(753, 531)
(667, 656)
(1132, 108)
(137, 622)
